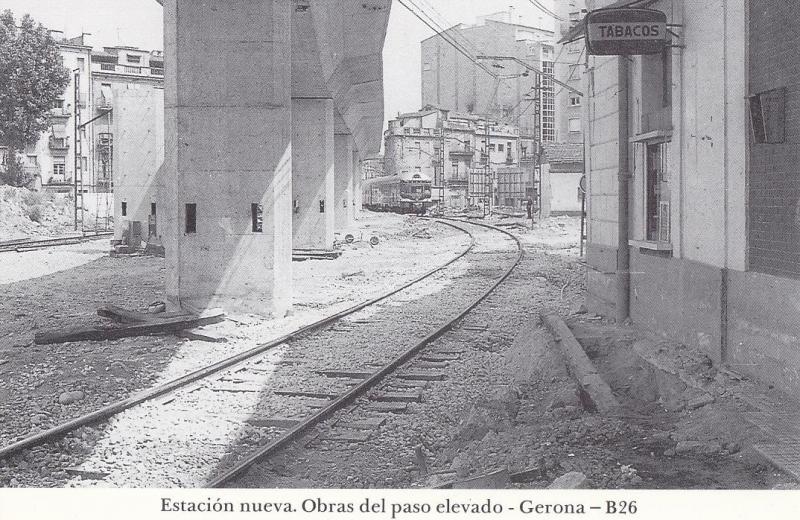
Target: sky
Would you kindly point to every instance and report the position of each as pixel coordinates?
(138, 23)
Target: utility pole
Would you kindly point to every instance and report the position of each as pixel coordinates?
(77, 171)
(487, 172)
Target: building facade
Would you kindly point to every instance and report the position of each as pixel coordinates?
(468, 161)
(99, 74)
(693, 207)
(562, 170)
(569, 66)
(505, 90)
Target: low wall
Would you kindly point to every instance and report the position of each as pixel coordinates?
(678, 298)
(764, 328)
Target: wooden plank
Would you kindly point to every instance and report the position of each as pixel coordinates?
(378, 406)
(402, 397)
(406, 384)
(234, 388)
(171, 325)
(439, 357)
(370, 423)
(122, 315)
(348, 436)
(273, 422)
(430, 364)
(304, 393)
(580, 366)
(345, 374)
(420, 375)
(448, 351)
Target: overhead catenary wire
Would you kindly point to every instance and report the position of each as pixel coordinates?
(443, 34)
(448, 33)
(454, 28)
(547, 11)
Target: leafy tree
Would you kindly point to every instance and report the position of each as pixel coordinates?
(32, 77)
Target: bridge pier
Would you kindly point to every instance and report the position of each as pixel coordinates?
(312, 173)
(343, 196)
(228, 155)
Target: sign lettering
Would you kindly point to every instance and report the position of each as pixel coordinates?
(626, 31)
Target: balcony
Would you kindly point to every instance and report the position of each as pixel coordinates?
(104, 104)
(129, 70)
(421, 131)
(59, 112)
(58, 144)
(459, 152)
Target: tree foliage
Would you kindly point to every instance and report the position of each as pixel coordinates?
(13, 172)
(32, 77)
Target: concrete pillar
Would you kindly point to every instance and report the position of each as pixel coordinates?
(357, 194)
(228, 155)
(343, 150)
(312, 173)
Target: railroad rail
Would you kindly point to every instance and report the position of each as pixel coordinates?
(362, 388)
(28, 244)
(240, 362)
(175, 384)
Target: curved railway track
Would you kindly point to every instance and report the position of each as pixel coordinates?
(158, 411)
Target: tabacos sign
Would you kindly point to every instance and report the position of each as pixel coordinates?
(626, 31)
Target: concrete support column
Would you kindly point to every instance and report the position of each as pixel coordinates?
(312, 173)
(343, 150)
(357, 194)
(228, 155)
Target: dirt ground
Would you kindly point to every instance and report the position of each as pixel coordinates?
(35, 380)
(509, 403)
(679, 430)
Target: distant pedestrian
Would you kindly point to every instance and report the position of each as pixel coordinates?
(530, 208)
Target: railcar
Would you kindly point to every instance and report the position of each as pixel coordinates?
(404, 193)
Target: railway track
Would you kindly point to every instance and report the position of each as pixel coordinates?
(27, 244)
(172, 434)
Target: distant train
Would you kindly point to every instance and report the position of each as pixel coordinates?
(404, 193)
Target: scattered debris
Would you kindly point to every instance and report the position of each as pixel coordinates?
(422, 233)
(156, 308)
(700, 401)
(493, 413)
(86, 474)
(498, 479)
(528, 475)
(203, 334)
(698, 448)
(301, 255)
(71, 397)
(571, 480)
(345, 276)
(419, 459)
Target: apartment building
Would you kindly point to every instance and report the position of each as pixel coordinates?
(504, 89)
(469, 160)
(96, 76)
(569, 66)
